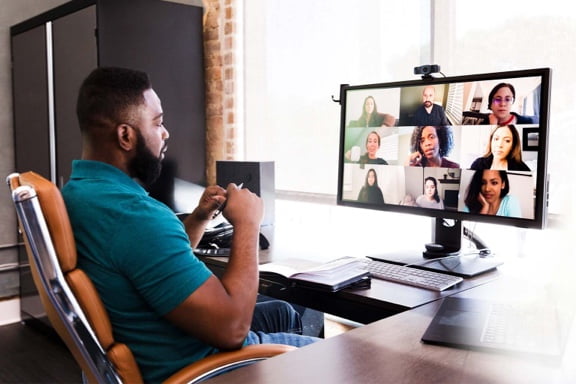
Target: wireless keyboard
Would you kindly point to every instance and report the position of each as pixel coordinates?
(410, 276)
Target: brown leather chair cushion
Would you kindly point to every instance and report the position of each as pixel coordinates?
(123, 359)
(56, 215)
(92, 305)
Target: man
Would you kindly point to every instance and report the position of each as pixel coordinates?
(163, 302)
(429, 113)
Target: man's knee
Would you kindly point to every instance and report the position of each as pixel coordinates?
(287, 318)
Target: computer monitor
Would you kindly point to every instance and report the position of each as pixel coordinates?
(470, 148)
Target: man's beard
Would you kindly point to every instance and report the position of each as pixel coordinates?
(145, 165)
(427, 104)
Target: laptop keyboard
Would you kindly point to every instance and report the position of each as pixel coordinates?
(517, 325)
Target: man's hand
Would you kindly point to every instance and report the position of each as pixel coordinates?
(243, 207)
(212, 198)
(196, 222)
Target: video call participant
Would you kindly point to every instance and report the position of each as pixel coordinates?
(370, 116)
(163, 302)
(430, 198)
(429, 113)
(503, 151)
(500, 101)
(371, 155)
(373, 142)
(430, 145)
(371, 192)
(488, 194)
(408, 200)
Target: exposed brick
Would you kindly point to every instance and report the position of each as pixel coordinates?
(212, 45)
(214, 109)
(228, 43)
(219, 46)
(213, 60)
(229, 13)
(213, 74)
(228, 73)
(229, 58)
(228, 28)
(229, 88)
(211, 34)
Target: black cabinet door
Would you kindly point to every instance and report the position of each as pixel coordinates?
(30, 97)
(163, 39)
(74, 56)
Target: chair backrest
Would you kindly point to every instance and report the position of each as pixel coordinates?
(70, 299)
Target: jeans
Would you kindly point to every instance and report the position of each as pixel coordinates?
(276, 322)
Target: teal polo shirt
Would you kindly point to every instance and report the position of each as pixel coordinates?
(138, 255)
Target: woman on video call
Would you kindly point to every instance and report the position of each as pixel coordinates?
(370, 116)
(503, 151)
(430, 145)
(488, 194)
(371, 155)
(500, 101)
(371, 192)
(430, 198)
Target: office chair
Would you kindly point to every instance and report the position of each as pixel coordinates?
(73, 305)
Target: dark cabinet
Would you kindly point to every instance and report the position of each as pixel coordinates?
(53, 52)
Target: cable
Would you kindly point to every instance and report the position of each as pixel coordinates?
(481, 246)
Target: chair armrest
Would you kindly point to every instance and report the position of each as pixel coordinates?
(222, 361)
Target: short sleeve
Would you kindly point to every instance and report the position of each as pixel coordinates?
(158, 260)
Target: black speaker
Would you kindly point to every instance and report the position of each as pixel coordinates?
(257, 176)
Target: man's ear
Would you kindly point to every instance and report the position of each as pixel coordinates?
(126, 137)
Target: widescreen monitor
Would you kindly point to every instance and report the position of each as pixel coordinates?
(465, 148)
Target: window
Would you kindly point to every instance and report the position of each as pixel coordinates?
(519, 35)
(297, 53)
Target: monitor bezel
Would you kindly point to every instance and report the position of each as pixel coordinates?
(541, 203)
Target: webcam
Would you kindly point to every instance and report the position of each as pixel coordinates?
(426, 70)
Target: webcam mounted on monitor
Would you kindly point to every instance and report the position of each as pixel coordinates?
(427, 70)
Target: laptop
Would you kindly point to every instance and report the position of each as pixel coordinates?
(518, 328)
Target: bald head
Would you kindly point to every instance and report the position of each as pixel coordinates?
(428, 96)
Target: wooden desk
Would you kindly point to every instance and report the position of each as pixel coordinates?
(390, 351)
(364, 306)
(299, 233)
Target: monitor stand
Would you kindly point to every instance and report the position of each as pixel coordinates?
(443, 253)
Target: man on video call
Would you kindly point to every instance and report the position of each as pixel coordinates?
(163, 302)
(429, 113)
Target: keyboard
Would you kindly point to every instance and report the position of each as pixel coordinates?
(213, 252)
(411, 276)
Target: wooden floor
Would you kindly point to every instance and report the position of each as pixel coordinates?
(29, 355)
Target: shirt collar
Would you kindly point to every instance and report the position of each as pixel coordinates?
(90, 169)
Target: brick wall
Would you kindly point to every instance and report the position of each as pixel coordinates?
(219, 51)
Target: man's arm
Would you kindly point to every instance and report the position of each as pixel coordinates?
(220, 311)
